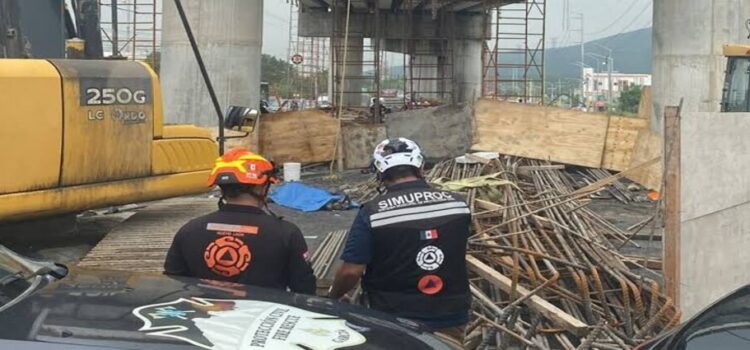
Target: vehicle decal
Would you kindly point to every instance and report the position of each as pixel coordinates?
(227, 324)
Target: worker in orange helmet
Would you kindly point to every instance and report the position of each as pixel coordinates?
(240, 242)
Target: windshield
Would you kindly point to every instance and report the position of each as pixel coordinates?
(18, 276)
(724, 326)
(737, 85)
(12, 282)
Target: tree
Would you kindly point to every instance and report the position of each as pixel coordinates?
(286, 81)
(630, 99)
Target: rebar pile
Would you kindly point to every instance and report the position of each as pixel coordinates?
(362, 192)
(617, 189)
(545, 273)
(325, 254)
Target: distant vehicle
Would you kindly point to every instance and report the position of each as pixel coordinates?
(323, 102)
(601, 106)
(389, 93)
(264, 108)
(44, 305)
(384, 109)
(724, 325)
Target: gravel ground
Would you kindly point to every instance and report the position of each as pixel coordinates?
(67, 241)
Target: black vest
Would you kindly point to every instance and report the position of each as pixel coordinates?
(419, 238)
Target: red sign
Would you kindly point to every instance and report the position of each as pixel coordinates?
(297, 59)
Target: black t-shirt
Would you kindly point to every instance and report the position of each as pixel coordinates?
(242, 244)
(416, 253)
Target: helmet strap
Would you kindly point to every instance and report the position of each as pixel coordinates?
(262, 198)
(380, 187)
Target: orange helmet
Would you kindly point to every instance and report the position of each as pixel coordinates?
(240, 166)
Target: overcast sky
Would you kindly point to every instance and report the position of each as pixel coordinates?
(602, 18)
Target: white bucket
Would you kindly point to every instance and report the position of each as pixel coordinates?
(292, 171)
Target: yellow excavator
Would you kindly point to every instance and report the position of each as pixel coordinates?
(81, 134)
(85, 134)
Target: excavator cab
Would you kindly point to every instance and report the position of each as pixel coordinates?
(736, 94)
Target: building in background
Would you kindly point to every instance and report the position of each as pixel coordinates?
(597, 83)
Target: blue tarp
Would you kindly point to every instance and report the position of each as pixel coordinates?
(302, 197)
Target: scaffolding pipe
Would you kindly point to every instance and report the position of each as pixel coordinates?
(339, 144)
(115, 48)
(204, 73)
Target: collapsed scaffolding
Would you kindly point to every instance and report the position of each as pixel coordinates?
(394, 59)
(402, 68)
(131, 29)
(414, 53)
(309, 58)
(513, 54)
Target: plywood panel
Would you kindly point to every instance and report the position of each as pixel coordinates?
(622, 134)
(644, 109)
(359, 142)
(556, 134)
(305, 137)
(648, 146)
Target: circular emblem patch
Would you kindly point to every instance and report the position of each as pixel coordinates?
(430, 258)
(430, 284)
(227, 256)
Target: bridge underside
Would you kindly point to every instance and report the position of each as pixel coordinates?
(426, 6)
(436, 51)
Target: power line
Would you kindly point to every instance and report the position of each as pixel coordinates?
(626, 28)
(607, 27)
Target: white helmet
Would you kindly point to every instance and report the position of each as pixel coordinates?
(395, 152)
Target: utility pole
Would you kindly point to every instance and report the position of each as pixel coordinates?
(610, 63)
(610, 68)
(583, 64)
(583, 58)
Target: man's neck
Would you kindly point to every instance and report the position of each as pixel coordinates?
(402, 180)
(246, 200)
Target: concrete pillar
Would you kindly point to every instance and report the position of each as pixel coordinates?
(353, 81)
(712, 243)
(688, 61)
(229, 34)
(467, 66)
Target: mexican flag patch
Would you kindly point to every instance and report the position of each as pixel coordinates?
(429, 234)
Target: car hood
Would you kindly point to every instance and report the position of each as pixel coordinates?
(152, 311)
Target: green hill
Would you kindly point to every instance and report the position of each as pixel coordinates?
(631, 52)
